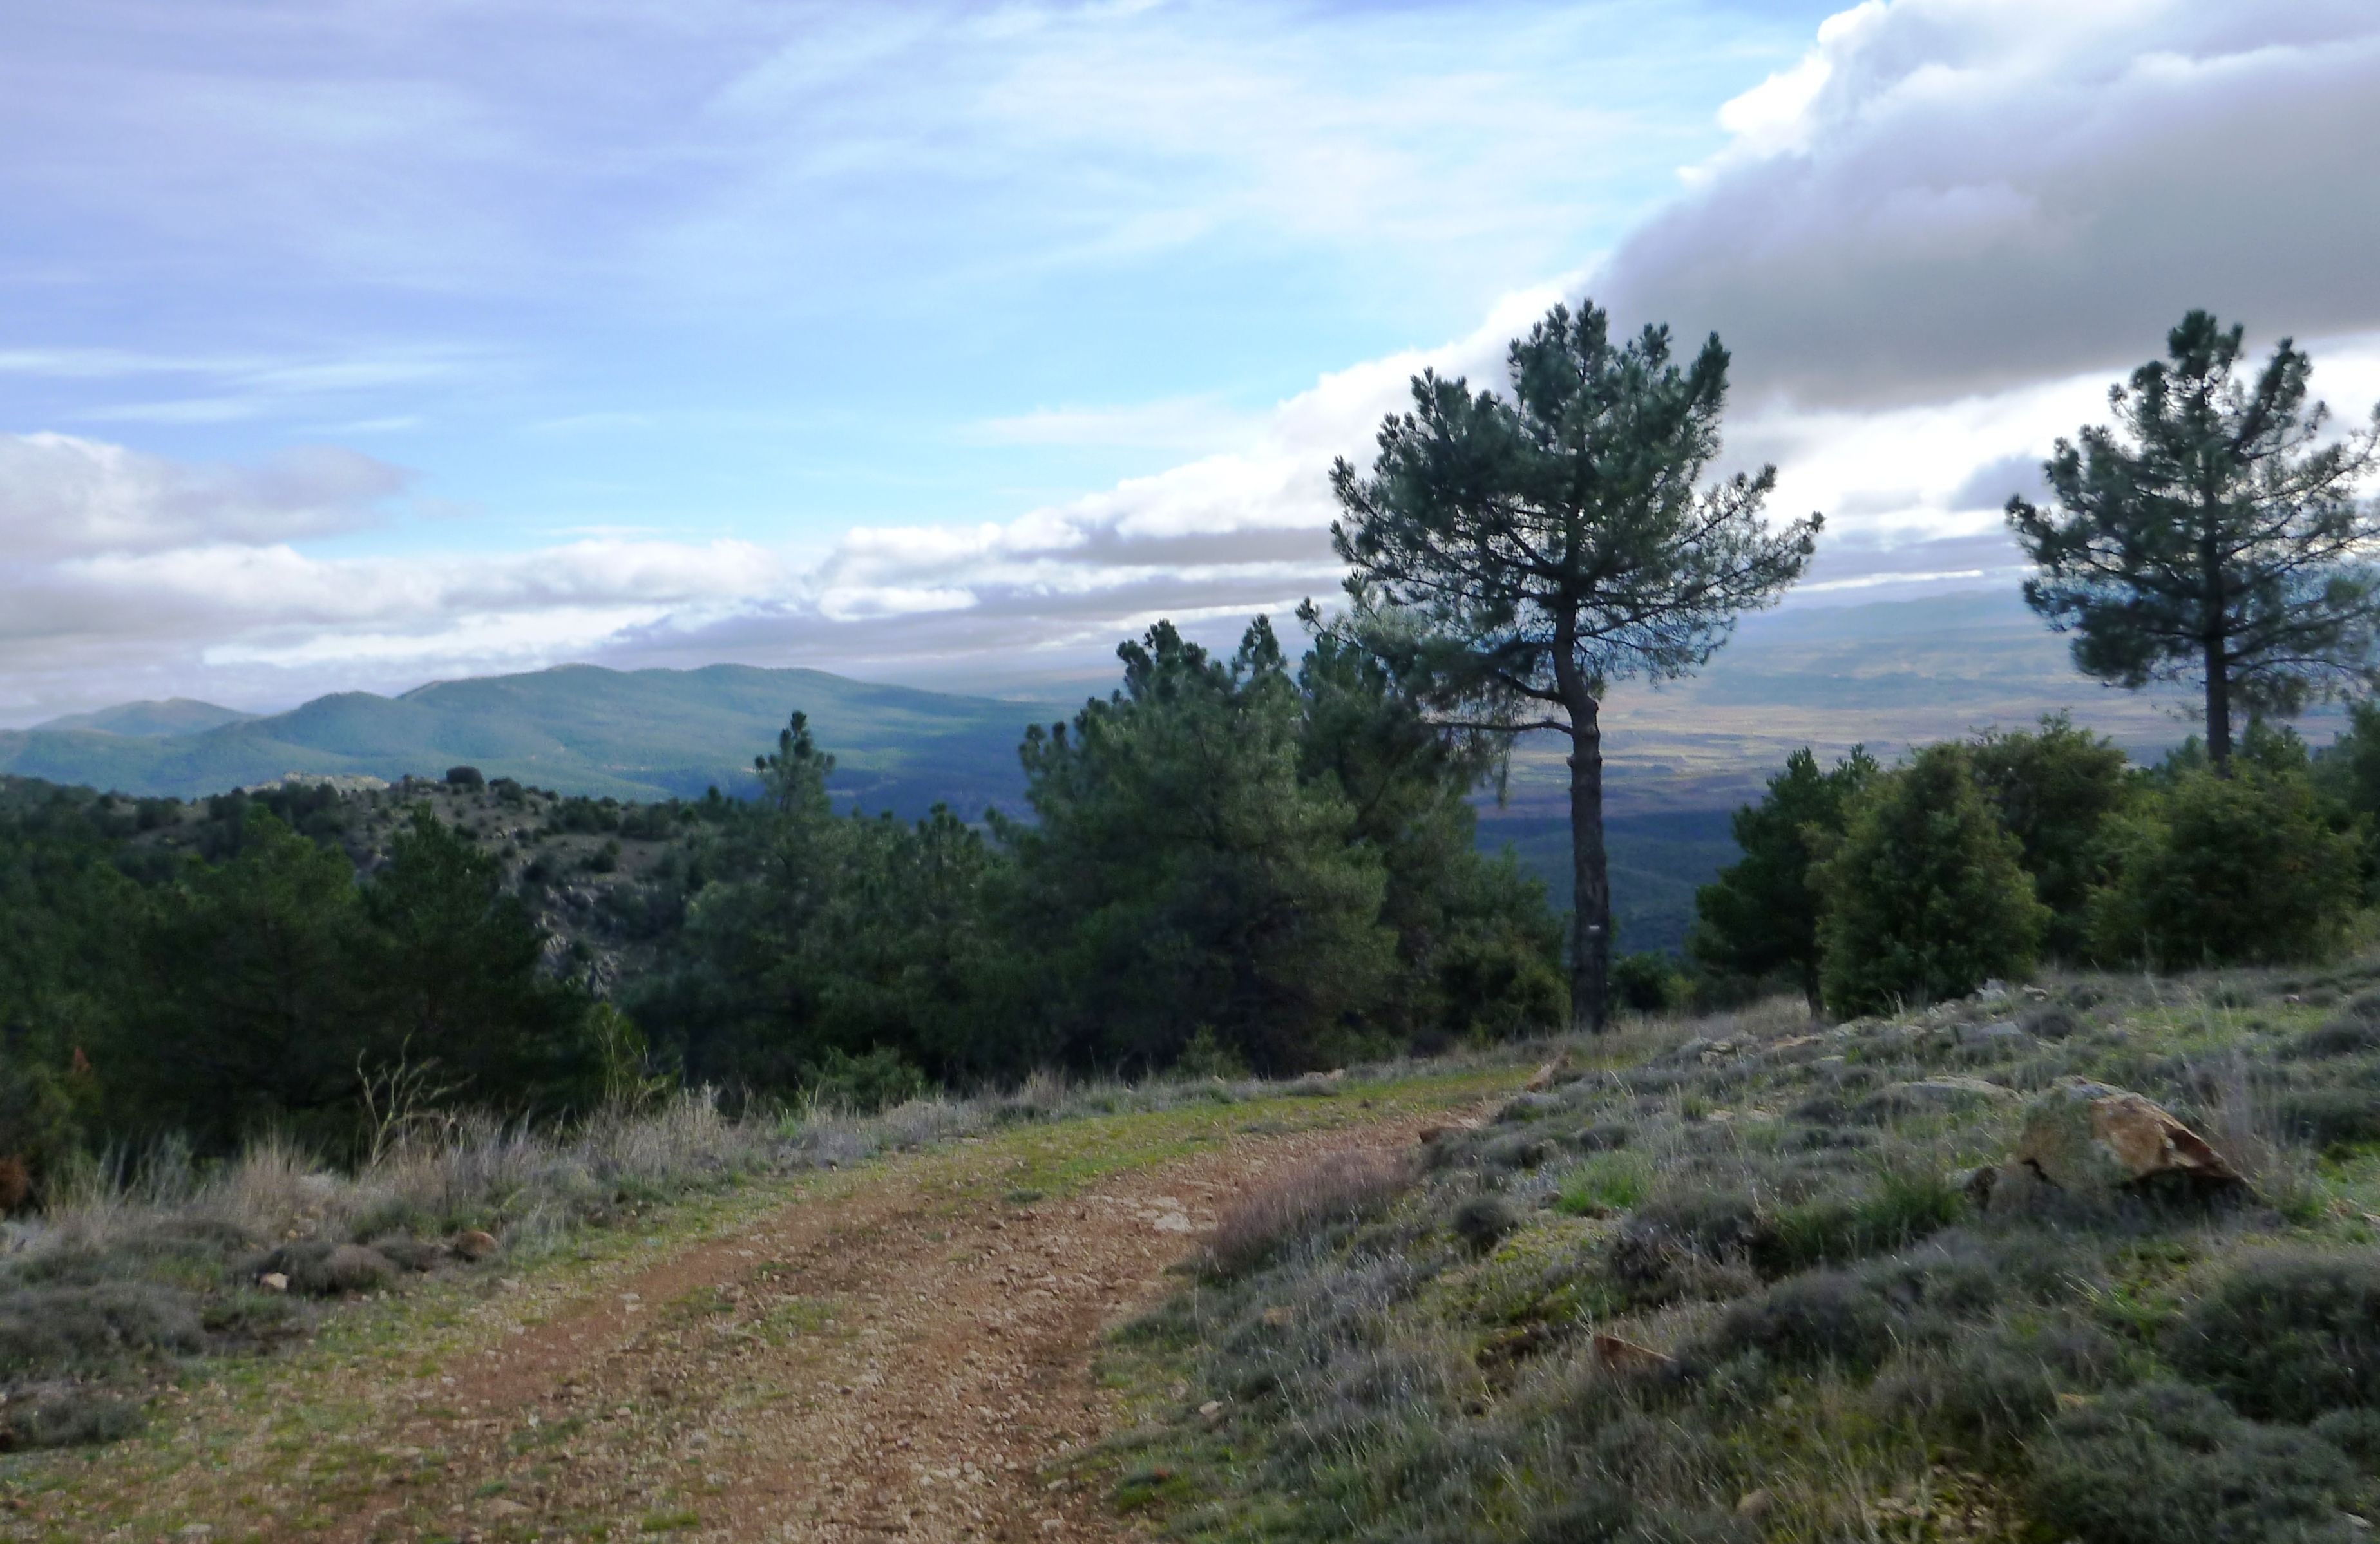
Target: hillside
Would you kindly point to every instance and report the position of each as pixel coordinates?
(176, 715)
(576, 729)
(1729, 1280)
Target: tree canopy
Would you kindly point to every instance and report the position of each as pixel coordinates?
(2213, 535)
(1760, 916)
(1542, 545)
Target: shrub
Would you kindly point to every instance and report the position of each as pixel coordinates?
(1824, 1315)
(2327, 1117)
(51, 1330)
(2287, 1334)
(866, 1084)
(1760, 917)
(1647, 983)
(2350, 1033)
(321, 1269)
(1483, 1220)
(2054, 789)
(2216, 870)
(1991, 1395)
(69, 1418)
(1688, 1243)
(2355, 1433)
(1605, 1183)
(2168, 1463)
(1902, 1209)
(1340, 1189)
(1924, 896)
(465, 777)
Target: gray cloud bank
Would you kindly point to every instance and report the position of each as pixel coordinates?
(1955, 195)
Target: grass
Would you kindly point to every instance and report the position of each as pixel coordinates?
(278, 1434)
(1727, 1280)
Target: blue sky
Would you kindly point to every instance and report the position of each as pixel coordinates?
(361, 342)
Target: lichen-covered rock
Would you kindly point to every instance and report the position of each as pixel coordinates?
(2087, 1139)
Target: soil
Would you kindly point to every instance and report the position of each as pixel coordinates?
(898, 1360)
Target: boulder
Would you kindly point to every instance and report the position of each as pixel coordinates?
(2086, 1139)
(474, 1246)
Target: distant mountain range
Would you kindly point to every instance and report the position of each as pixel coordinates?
(1677, 758)
(632, 734)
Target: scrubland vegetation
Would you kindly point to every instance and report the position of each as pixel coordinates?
(1797, 1268)
(130, 1278)
(1729, 1278)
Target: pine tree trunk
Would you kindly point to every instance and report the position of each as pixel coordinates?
(2218, 709)
(2219, 674)
(1590, 942)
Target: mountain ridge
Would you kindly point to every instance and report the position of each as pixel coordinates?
(577, 728)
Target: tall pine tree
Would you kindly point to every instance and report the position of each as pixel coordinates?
(1546, 545)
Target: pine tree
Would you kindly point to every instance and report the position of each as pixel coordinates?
(1924, 896)
(2215, 537)
(1545, 546)
(1760, 916)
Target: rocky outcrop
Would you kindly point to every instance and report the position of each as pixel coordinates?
(2090, 1141)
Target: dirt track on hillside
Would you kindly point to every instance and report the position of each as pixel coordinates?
(895, 1361)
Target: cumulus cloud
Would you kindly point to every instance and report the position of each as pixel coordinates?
(1931, 243)
(61, 495)
(1946, 197)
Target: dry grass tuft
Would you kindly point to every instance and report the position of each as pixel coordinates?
(1339, 1189)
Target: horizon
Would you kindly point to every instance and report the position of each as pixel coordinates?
(1220, 634)
(935, 346)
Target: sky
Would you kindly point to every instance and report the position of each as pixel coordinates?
(358, 344)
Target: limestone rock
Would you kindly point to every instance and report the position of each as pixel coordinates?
(1627, 1357)
(2087, 1139)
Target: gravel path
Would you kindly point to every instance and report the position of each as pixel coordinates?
(901, 1359)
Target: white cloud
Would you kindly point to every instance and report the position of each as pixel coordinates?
(1952, 196)
(62, 496)
(1931, 244)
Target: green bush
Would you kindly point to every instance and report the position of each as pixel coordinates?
(69, 1418)
(2055, 788)
(2168, 1463)
(2213, 870)
(1824, 1315)
(1988, 1395)
(1760, 917)
(1900, 1209)
(1482, 1221)
(49, 1331)
(2287, 1334)
(1925, 897)
(876, 1080)
(1647, 983)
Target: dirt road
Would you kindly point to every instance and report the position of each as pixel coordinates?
(905, 1359)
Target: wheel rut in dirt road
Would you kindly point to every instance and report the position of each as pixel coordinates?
(901, 1359)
